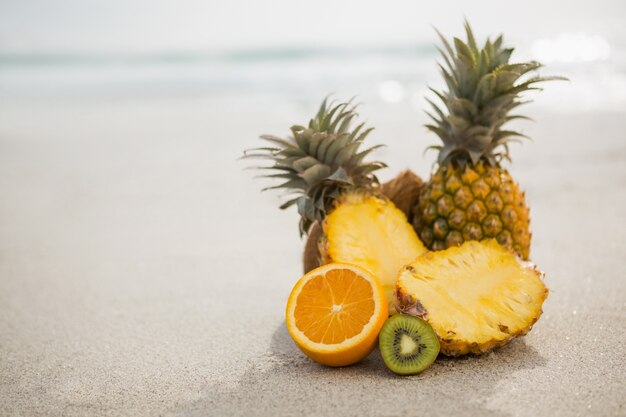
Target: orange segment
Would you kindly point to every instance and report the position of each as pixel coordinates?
(335, 312)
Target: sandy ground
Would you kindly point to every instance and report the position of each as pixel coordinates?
(142, 273)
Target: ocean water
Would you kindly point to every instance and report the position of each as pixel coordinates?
(241, 69)
(381, 75)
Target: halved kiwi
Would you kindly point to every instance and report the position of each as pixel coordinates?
(408, 344)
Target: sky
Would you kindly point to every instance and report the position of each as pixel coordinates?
(129, 26)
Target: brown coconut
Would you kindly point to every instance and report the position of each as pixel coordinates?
(403, 191)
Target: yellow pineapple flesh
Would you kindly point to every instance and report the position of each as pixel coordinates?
(372, 233)
(477, 296)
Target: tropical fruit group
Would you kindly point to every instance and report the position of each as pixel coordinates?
(476, 297)
(471, 196)
(364, 253)
(338, 196)
(335, 312)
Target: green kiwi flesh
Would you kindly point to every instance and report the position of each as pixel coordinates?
(408, 344)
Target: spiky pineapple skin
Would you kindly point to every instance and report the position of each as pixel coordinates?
(473, 202)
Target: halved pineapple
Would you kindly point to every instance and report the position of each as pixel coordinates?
(335, 188)
(372, 233)
(477, 296)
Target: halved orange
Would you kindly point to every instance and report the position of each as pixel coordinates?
(335, 312)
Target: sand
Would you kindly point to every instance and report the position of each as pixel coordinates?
(142, 273)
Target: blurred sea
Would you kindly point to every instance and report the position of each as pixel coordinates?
(383, 74)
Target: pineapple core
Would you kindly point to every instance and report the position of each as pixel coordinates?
(476, 296)
(374, 234)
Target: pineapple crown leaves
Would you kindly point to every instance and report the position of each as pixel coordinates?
(483, 87)
(319, 162)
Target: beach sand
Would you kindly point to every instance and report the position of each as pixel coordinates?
(142, 272)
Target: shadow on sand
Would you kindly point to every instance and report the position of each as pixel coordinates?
(285, 382)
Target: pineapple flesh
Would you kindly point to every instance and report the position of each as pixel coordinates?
(403, 191)
(471, 196)
(476, 297)
(372, 233)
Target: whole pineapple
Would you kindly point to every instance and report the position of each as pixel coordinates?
(338, 196)
(471, 196)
